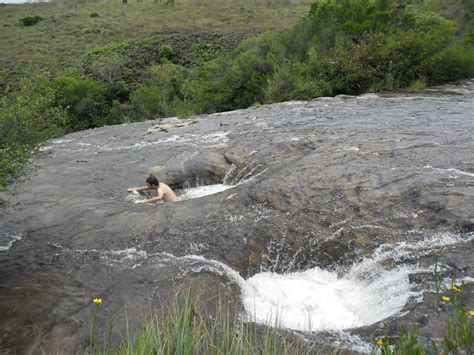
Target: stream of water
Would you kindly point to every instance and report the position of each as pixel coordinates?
(320, 300)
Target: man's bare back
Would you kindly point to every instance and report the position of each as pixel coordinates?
(163, 191)
(168, 193)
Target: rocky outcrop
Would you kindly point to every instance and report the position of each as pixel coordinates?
(319, 183)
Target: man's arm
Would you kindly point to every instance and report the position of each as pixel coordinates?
(154, 199)
(139, 189)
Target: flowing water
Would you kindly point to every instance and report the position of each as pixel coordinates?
(322, 300)
(201, 191)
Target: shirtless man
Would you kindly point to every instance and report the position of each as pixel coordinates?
(163, 191)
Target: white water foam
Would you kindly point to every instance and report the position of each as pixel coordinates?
(449, 170)
(317, 299)
(201, 191)
(9, 242)
(137, 197)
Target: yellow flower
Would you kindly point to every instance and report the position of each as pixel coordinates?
(446, 298)
(97, 300)
(455, 288)
(471, 312)
(379, 342)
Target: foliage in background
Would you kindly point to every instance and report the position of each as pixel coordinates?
(169, 92)
(68, 31)
(84, 99)
(30, 20)
(28, 117)
(343, 46)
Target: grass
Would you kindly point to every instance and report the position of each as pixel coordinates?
(417, 86)
(67, 30)
(187, 328)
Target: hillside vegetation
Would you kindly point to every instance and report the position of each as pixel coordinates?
(70, 29)
(150, 60)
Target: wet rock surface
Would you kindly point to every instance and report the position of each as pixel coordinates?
(320, 183)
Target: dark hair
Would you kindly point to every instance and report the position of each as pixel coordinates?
(152, 180)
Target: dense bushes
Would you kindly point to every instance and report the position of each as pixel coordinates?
(353, 46)
(28, 117)
(169, 92)
(84, 100)
(343, 46)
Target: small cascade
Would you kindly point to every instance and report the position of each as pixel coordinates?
(200, 191)
(317, 299)
(233, 177)
(230, 177)
(322, 300)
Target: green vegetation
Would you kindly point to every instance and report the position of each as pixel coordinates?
(459, 333)
(68, 31)
(340, 46)
(187, 328)
(30, 20)
(407, 343)
(458, 336)
(28, 117)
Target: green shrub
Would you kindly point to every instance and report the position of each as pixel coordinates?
(406, 343)
(204, 52)
(417, 86)
(169, 92)
(470, 34)
(240, 80)
(84, 99)
(453, 62)
(94, 14)
(295, 81)
(30, 20)
(166, 52)
(28, 117)
(459, 335)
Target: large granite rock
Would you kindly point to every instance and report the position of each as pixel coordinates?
(319, 183)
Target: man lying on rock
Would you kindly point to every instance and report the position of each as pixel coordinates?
(163, 191)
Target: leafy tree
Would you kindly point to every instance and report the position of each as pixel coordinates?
(169, 92)
(84, 99)
(240, 80)
(27, 118)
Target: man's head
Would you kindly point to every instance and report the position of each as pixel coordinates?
(152, 181)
